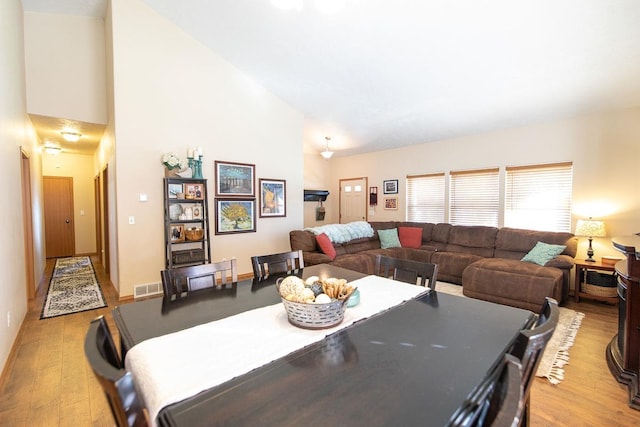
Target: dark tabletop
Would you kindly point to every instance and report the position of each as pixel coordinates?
(415, 364)
(142, 320)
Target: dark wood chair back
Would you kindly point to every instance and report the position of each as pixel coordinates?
(175, 281)
(407, 271)
(116, 382)
(263, 265)
(529, 347)
(496, 402)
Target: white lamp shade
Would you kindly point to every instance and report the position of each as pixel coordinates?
(590, 228)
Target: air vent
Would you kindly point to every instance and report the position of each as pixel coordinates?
(147, 290)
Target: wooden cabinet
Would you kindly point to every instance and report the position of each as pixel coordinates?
(623, 352)
(186, 222)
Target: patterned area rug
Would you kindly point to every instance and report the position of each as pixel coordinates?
(73, 288)
(556, 355)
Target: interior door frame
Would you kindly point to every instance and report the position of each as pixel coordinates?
(27, 221)
(366, 199)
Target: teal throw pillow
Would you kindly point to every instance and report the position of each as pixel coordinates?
(542, 253)
(389, 238)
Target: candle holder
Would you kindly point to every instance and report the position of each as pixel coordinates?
(197, 168)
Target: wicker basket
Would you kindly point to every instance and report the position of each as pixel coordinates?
(602, 291)
(315, 316)
(194, 233)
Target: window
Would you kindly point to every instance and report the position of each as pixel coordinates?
(475, 197)
(538, 197)
(425, 198)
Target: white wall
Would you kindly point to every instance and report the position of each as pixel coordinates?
(170, 93)
(604, 149)
(16, 133)
(65, 67)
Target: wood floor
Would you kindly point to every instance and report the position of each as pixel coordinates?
(48, 382)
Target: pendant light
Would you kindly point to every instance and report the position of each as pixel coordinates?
(327, 153)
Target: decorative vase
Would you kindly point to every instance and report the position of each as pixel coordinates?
(171, 172)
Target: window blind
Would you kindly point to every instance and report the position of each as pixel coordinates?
(538, 197)
(475, 197)
(425, 198)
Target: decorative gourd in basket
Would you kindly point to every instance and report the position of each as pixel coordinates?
(314, 303)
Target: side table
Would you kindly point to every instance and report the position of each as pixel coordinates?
(582, 267)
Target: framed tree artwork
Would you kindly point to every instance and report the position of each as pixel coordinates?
(234, 215)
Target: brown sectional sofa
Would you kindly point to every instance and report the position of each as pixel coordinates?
(484, 260)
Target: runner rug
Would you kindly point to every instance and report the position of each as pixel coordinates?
(556, 355)
(73, 288)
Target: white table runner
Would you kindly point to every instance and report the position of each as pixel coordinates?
(173, 367)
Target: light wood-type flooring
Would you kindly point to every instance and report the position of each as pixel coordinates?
(47, 381)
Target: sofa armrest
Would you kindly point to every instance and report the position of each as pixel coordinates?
(564, 262)
(313, 258)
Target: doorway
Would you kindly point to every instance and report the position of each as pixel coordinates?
(58, 216)
(353, 200)
(27, 214)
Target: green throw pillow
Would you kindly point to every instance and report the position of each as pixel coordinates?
(389, 238)
(542, 253)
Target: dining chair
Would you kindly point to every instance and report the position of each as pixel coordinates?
(529, 348)
(497, 401)
(175, 281)
(284, 262)
(408, 271)
(116, 382)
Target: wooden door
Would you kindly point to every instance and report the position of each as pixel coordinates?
(353, 200)
(58, 216)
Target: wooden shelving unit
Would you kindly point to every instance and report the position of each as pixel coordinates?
(186, 211)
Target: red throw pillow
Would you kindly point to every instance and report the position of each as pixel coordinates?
(410, 237)
(326, 246)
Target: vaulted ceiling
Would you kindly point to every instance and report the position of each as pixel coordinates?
(379, 74)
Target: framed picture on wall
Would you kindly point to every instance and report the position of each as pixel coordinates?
(391, 203)
(234, 179)
(235, 216)
(390, 186)
(273, 201)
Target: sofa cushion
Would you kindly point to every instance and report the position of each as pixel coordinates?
(514, 243)
(302, 240)
(542, 253)
(477, 239)
(410, 237)
(389, 238)
(326, 246)
(512, 282)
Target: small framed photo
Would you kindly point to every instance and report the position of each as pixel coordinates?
(194, 191)
(177, 233)
(235, 216)
(196, 210)
(174, 190)
(235, 179)
(391, 203)
(273, 201)
(390, 186)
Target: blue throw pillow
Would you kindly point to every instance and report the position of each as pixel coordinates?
(542, 253)
(389, 238)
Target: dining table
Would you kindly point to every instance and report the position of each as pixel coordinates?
(418, 361)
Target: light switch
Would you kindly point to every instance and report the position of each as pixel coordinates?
(81, 212)
(143, 197)
(132, 220)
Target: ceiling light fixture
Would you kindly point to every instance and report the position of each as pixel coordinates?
(327, 153)
(71, 136)
(51, 148)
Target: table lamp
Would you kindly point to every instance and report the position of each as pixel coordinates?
(590, 228)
